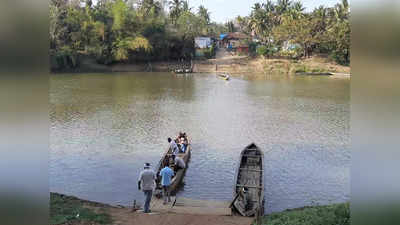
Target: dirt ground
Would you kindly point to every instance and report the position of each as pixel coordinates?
(197, 214)
(125, 217)
(250, 67)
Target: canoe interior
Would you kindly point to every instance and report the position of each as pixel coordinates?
(250, 177)
(178, 177)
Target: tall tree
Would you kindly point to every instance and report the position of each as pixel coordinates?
(204, 14)
(185, 6)
(152, 7)
(339, 32)
(231, 26)
(260, 21)
(175, 8)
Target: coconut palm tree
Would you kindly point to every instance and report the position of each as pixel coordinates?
(283, 6)
(260, 21)
(176, 8)
(151, 6)
(185, 7)
(295, 11)
(342, 10)
(204, 14)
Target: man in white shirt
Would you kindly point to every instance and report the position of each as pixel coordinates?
(147, 183)
(174, 147)
(179, 163)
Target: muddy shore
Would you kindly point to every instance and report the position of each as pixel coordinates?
(71, 210)
(239, 66)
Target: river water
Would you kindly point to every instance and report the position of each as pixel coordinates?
(105, 126)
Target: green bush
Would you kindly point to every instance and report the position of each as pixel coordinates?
(262, 50)
(266, 50)
(301, 68)
(64, 58)
(253, 48)
(341, 57)
(338, 214)
(210, 52)
(294, 53)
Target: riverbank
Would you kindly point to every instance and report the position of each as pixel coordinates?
(260, 67)
(239, 66)
(68, 210)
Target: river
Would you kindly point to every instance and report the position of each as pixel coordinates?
(104, 127)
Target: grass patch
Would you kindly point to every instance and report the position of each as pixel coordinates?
(302, 68)
(65, 208)
(337, 214)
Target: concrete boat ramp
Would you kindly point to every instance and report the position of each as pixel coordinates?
(180, 205)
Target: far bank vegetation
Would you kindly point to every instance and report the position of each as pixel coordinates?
(142, 31)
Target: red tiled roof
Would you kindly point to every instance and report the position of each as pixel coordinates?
(236, 35)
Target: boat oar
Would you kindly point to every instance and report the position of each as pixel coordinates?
(234, 200)
(173, 204)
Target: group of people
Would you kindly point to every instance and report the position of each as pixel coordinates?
(179, 145)
(148, 177)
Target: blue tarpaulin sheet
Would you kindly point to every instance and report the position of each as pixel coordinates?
(221, 36)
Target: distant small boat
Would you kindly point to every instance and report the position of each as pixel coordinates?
(249, 183)
(224, 76)
(178, 71)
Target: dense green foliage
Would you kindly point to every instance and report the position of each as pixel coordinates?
(65, 208)
(338, 214)
(286, 26)
(125, 31)
(210, 52)
(141, 30)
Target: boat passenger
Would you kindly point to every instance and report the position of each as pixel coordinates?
(147, 184)
(166, 175)
(183, 143)
(173, 146)
(179, 163)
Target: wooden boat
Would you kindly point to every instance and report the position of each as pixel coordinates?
(182, 71)
(179, 71)
(178, 177)
(224, 76)
(248, 191)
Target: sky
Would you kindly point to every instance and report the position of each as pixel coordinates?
(224, 10)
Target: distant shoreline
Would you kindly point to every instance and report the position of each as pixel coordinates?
(243, 66)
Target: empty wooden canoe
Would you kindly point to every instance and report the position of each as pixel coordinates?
(249, 183)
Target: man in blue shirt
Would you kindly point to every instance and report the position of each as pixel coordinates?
(166, 174)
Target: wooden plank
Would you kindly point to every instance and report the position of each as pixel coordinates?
(247, 155)
(248, 186)
(254, 170)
